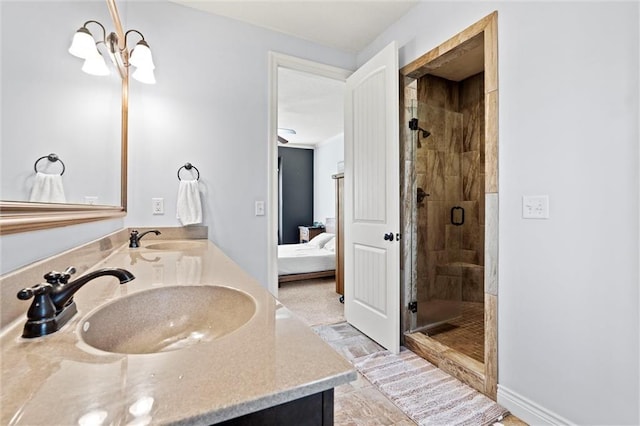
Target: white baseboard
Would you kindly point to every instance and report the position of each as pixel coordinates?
(527, 410)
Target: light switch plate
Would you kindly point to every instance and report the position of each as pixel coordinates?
(259, 208)
(535, 207)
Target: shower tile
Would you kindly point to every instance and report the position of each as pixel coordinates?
(491, 143)
(434, 258)
(452, 164)
(472, 239)
(453, 235)
(421, 163)
(435, 173)
(481, 206)
(473, 284)
(470, 211)
(452, 269)
(479, 186)
(453, 187)
(432, 119)
(421, 182)
(491, 245)
(437, 213)
(471, 90)
(473, 128)
(447, 287)
(470, 169)
(434, 90)
(491, 344)
(453, 131)
(468, 256)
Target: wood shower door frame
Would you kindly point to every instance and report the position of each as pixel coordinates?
(443, 56)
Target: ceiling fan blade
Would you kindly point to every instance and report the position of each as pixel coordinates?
(282, 140)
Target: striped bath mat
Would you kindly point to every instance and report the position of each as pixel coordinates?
(425, 393)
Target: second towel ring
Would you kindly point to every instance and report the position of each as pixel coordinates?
(53, 158)
(189, 166)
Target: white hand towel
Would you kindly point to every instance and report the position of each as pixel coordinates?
(189, 205)
(47, 189)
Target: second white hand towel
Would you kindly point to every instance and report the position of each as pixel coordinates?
(47, 189)
(189, 205)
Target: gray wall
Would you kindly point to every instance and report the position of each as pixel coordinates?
(296, 204)
(210, 108)
(568, 321)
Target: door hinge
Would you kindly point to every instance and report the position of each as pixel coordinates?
(413, 307)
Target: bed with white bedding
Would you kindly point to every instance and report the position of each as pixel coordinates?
(314, 259)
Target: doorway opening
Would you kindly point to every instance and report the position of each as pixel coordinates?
(298, 86)
(449, 136)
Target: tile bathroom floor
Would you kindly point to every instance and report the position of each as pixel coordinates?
(357, 403)
(465, 334)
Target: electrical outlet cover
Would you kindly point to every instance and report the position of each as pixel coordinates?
(157, 205)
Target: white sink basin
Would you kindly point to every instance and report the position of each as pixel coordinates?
(167, 319)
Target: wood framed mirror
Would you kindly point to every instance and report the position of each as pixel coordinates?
(16, 213)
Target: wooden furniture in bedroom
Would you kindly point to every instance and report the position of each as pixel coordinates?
(308, 232)
(339, 178)
(305, 276)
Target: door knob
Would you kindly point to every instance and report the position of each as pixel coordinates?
(388, 237)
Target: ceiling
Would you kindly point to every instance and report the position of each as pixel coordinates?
(312, 105)
(348, 25)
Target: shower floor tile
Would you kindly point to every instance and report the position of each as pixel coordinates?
(465, 334)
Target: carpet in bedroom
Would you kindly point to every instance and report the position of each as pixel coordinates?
(314, 301)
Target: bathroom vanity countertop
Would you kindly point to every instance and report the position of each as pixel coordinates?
(272, 359)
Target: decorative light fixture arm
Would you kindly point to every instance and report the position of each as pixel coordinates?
(132, 31)
(104, 31)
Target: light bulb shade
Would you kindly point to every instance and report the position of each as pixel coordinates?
(144, 75)
(95, 65)
(83, 45)
(141, 56)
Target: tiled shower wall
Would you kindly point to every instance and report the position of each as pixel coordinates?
(449, 166)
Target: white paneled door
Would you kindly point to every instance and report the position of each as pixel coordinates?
(372, 199)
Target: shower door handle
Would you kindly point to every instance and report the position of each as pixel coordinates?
(453, 215)
(388, 237)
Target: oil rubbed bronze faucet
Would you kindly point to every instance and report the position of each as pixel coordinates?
(134, 237)
(53, 303)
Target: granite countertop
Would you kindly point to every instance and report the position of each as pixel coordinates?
(271, 359)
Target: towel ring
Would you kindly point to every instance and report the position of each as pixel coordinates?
(51, 157)
(189, 166)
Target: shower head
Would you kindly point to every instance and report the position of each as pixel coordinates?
(414, 125)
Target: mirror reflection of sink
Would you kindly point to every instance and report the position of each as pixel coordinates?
(166, 319)
(176, 245)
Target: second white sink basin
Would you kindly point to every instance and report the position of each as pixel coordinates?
(167, 319)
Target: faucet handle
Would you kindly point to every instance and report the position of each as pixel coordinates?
(55, 277)
(42, 308)
(36, 290)
(64, 278)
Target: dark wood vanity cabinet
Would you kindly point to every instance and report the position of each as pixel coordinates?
(312, 410)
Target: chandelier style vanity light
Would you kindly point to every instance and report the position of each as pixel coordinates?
(85, 46)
